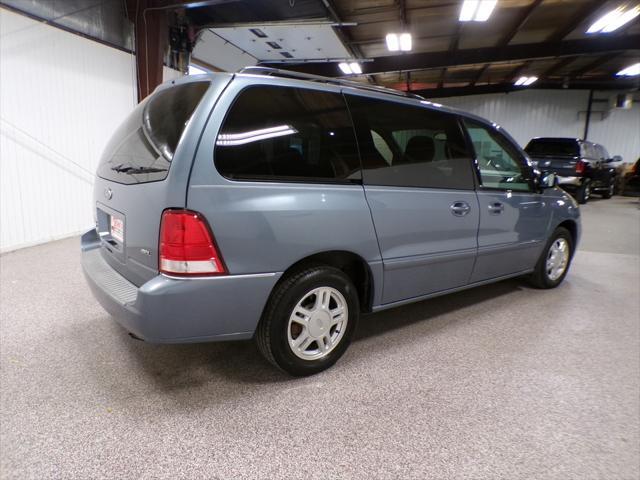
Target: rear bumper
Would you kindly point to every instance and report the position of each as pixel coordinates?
(172, 310)
(570, 182)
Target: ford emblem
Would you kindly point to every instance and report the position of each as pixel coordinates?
(108, 193)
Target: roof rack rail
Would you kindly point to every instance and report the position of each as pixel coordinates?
(276, 72)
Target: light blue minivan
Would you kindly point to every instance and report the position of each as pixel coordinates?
(280, 206)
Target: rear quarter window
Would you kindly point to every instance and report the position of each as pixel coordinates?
(284, 133)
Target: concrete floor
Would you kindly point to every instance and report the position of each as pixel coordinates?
(501, 381)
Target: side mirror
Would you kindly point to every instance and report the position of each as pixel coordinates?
(548, 180)
(615, 158)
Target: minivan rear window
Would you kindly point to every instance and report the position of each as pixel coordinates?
(142, 148)
(562, 147)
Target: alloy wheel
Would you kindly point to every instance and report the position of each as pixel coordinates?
(557, 259)
(318, 323)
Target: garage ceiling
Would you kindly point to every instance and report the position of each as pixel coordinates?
(542, 38)
(545, 38)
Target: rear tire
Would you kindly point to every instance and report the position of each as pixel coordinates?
(610, 189)
(309, 320)
(584, 192)
(554, 261)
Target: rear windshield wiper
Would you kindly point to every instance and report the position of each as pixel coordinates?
(135, 170)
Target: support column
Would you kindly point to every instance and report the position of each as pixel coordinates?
(151, 38)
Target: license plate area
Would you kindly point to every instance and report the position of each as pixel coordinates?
(111, 227)
(116, 228)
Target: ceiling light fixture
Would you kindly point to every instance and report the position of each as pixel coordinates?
(393, 43)
(525, 81)
(350, 68)
(614, 19)
(405, 42)
(477, 10)
(630, 71)
(397, 42)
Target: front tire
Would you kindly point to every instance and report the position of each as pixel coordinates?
(554, 261)
(309, 320)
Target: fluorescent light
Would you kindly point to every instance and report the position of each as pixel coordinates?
(604, 20)
(346, 69)
(355, 68)
(232, 139)
(468, 10)
(614, 19)
(349, 68)
(525, 81)
(484, 10)
(405, 42)
(626, 17)
(477, 10)
(393, 44)
(630, 71)
(397, 42)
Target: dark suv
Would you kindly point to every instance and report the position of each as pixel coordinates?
(582, 167)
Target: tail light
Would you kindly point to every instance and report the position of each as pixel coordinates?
(580, 167)
(187, 246)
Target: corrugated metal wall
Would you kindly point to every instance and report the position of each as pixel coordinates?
(558, 113)
(61, 97)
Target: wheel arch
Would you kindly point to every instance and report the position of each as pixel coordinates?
(572, 227)
(352, 264)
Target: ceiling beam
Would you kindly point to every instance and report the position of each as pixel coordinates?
(592, 65)
(455, 39)
(403, 12)
(443, 76)
(372, 41)
(345, 37)
(602, 84)
(517, 71)
(557, 66)
(430, 60)
(576, 20)
(522, 19)
(479, 75)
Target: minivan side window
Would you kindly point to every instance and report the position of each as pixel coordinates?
(410, 146)
(498, 160)
(284, 133)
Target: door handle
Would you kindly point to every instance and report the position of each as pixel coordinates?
(496, 208)
(460, 209)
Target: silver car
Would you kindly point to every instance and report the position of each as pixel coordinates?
(281, 206)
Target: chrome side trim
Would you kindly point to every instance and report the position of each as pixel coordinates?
(507, 247)
(420, 260)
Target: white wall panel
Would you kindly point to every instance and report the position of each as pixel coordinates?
(557, 113)
(619, 132)
(61, 97)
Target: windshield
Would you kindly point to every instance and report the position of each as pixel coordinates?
(142, 147)
(559, 147)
